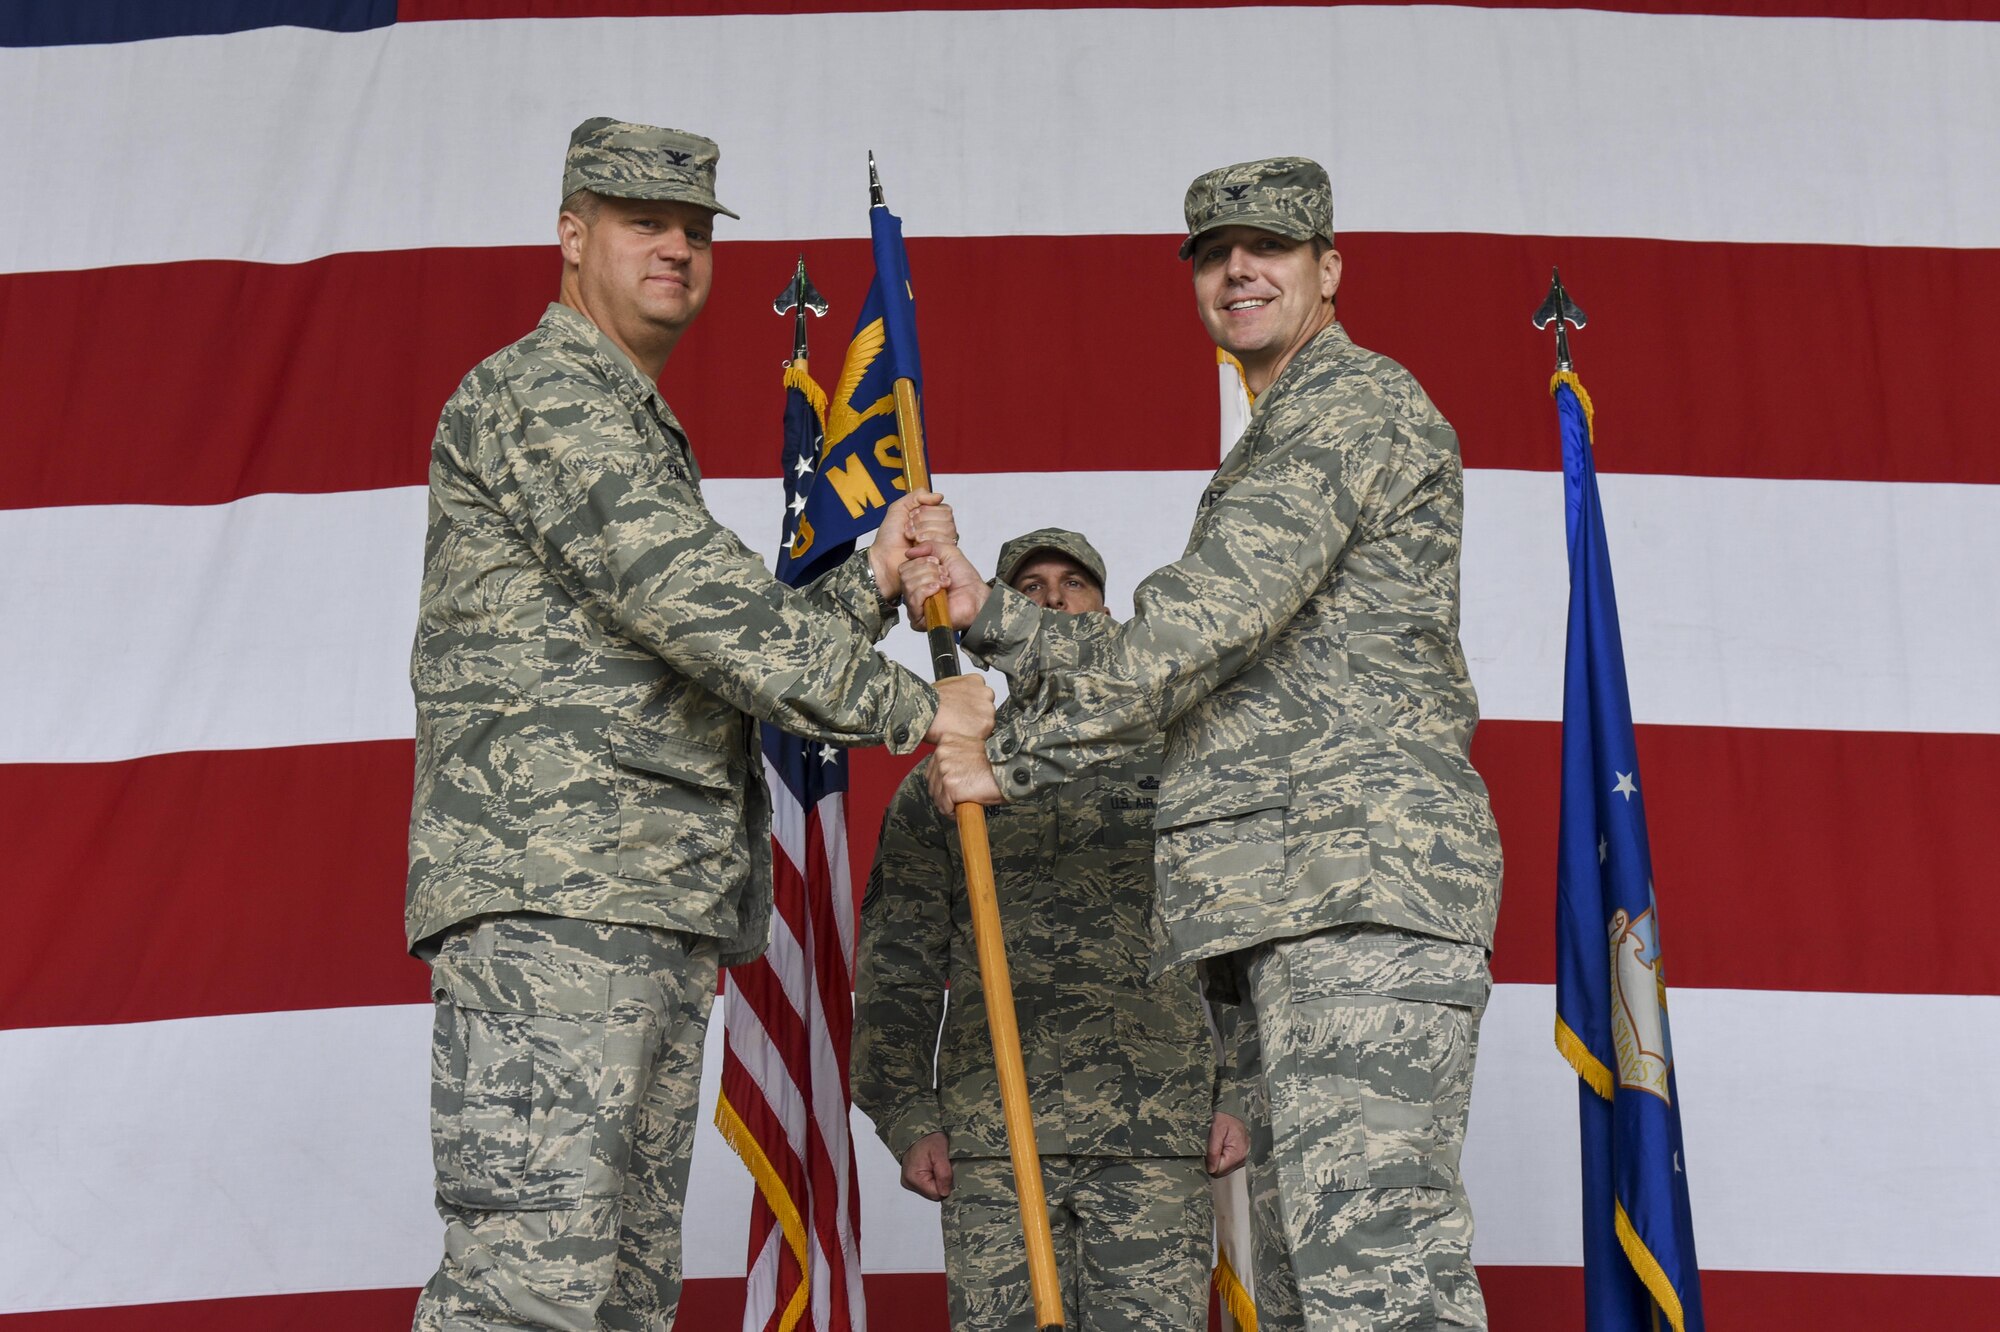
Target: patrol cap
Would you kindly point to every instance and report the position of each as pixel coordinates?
(1288, 195)
(628, 161)
(1072, 545)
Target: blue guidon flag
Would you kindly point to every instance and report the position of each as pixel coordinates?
(860, 469)
(1611, 993)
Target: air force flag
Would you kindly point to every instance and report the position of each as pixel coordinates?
(1611, 993)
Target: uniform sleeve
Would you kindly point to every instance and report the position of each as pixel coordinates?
(899, 980)
(1234, 1062)
(849, 588)
(630, 536)
(1271, 540)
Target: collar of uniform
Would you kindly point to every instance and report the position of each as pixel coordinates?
(573, 330)
(1324, 345)
(1321, 347)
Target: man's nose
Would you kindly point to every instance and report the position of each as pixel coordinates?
(1239, 267)
(674, 244)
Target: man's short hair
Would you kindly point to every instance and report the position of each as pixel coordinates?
(584, 203)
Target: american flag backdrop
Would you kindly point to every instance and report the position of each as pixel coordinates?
(247, 247)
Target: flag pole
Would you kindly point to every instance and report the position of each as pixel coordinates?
(980, 893)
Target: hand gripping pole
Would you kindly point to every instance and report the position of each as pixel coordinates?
(992, 948)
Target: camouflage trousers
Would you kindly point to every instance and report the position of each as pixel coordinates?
(1132, 1240)
(565, 1071)
(1355, 1051)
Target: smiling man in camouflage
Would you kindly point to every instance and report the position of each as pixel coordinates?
(590, 835)
(1325, 848)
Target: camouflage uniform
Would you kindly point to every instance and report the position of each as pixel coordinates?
(590, 834)
(1121, 1077)
(1324, 844)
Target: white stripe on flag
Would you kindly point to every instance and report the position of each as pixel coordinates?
(760, 1287)
(833, 841)
(788, 818)
(750, 1041)
(286, 619)
(1695, 128)
(281, 1152)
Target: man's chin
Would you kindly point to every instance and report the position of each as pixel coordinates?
(671, 317)
(1243, 349)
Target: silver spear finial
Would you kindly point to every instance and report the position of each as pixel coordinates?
(799, 295)
(1559, 310)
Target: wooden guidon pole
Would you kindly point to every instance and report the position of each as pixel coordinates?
(986, 936)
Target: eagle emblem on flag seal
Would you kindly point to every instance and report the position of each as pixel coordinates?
(1639, 1002)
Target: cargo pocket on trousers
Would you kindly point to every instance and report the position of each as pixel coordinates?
(514, 1092)
(1369, 1092)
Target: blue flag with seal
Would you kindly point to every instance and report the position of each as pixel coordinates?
(1611, 995)
(859, 471)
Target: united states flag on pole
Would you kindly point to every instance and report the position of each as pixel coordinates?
(248, 247)
(789, 1016)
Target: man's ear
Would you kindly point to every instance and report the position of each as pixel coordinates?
(1329, 274)
(570, 231)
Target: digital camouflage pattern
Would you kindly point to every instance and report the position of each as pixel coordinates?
(1365, 1040)
(1117, 1065)
(565, 1071)
(591, 646)
(1303, 660)
(1324, 844)
(628, 161)
(1132, 1240)
(1289, 195)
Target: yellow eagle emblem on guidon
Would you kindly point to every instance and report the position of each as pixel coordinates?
(843, 419)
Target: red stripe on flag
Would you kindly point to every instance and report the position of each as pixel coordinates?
(347, 1310)
(1866, 849)
(224, 860)
(228, 881)
(1519, 1299)
(1550, 1299)
(418, 11)
(1748, 827)
(329, 375)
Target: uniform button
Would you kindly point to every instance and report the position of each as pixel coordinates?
(1020, 776)
(1006, 749)
(902, 736)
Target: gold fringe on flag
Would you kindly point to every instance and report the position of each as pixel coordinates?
(1589, 412)
(1587, 1065)
(798, 376)
(1649, 1269)
(737, 1134)
(1234, 1297)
